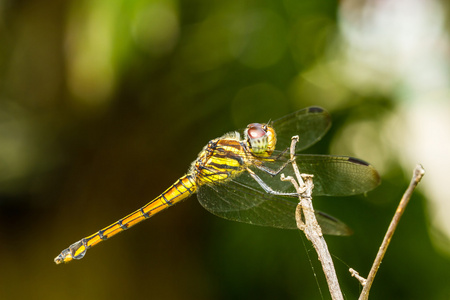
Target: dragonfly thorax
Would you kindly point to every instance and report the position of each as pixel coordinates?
(220, 160)
(260, 139)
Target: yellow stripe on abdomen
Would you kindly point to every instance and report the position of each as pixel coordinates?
(181, 189)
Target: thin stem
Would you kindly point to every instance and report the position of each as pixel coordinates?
(419, 172)
(307, 222)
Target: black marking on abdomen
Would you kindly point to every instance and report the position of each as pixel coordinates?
(124, 227)
(165, 200)
(101, 235)
(181, 182)
(146, 215)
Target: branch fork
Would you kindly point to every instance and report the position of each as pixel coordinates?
(307, 222)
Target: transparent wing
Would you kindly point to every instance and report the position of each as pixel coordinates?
(333, 175)
(243, 200)
(339, 175)
(310, 124)
(247, 203)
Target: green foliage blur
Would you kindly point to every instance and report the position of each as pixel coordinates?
(104, 104)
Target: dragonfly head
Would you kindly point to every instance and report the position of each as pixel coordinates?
(260, 139)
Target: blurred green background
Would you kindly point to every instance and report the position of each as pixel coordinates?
(105, 103)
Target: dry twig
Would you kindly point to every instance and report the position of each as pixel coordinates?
(307, 222)
(417, 176)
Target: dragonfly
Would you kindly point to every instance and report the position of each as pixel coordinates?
(239, 179)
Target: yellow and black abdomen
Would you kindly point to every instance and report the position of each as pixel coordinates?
(181, 189)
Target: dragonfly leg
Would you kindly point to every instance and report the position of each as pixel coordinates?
(267, 188)
(276, 172)
(282, 153)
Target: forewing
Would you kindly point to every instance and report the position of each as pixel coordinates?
(339, 175)
(333, 175)
(310, 124)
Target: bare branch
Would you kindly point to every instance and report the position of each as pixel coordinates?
(355, 274)
(419, 172)
(307, 222)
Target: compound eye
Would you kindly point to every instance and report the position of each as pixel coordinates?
(256, 130)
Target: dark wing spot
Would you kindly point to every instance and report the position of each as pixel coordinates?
(315, 109)
(358, 161)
